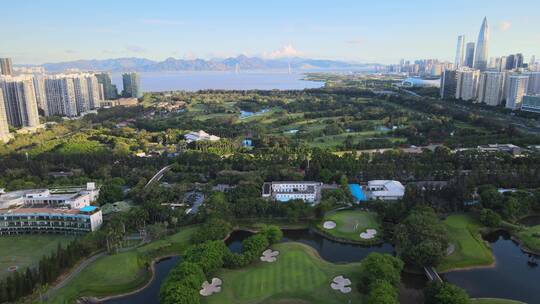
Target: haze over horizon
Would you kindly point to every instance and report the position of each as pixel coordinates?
(382, 32)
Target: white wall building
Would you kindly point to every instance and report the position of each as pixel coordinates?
(309, 192)
(20, 101)
(517, 88)
(384, 190)
(491, 88)
(533, 87)
(467, 84)
(201, 135)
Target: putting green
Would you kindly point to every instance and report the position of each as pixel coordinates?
(470, 250)
(298, 276)
(350, 223)
(530, 237)
(23, 251)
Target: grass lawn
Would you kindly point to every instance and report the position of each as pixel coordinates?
(470, 250)
(530, 237)
(298, 276)
(107, 276)
(123, 272)
(27, 250)
(350, 223)
(494, 301)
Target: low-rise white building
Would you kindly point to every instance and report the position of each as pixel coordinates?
(309, 192)
(385, 190)
(200, 135)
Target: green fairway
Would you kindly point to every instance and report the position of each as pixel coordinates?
(470, 250)
(494, 301)
(107, 276)
(350, 223)
(530, 237)
(26, 250)
(298, 276)
(123, 272)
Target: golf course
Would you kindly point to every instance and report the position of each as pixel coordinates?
(22, 251)
(298, 276)
(350, 224)
(469, 250)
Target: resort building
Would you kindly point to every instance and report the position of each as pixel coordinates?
(386, 190)
(309, 192)
(50, 210)
(50, 220)
(199, 136)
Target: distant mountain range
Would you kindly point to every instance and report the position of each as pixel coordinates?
(172, 64)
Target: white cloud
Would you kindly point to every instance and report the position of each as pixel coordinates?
(162, 22)
(286, 51)
(505, 26)
(355, 41)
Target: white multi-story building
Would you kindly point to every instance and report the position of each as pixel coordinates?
(467, 84)
(517, 88)
(533, 88)
(4, 127)
(491, 88)
(386, 190)
(20, 100)
(309, 192)
(41, 97)
(72, 94)
(200, 136)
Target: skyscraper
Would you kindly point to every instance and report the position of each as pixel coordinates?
(6, 67)
(491, 88)
(20, 101)
(460, 52)
(519, 60)
(517, 88)
(481, 54)
(41, 98)
(4, 127)
(510, 62)
(467, 84)
(448, 84)
(469, 55)
(132, 85)
(60, 91)
(109, 89)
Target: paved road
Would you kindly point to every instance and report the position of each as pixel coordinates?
(72, 274)
(158, 176)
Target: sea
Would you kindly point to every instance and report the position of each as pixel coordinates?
(220, 80)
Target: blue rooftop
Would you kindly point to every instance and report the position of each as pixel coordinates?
(88, 209)
(357, 192)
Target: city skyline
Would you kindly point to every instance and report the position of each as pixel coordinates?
(345, 31)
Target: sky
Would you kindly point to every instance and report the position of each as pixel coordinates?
(383, 31)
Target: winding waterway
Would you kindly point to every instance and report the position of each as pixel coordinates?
(511, 278)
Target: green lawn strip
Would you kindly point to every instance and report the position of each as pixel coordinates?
(470, 250)
(494, 301)
(298, 276)
(109, 275)
(530, 237)
(122, 272)
(350, 223)
(26, 250)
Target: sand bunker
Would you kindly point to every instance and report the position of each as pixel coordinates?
(209, 289)
(369, 234)
(342, 284)
(269, 256)
(329, 225)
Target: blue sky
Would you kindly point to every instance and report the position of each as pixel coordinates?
(37, 31)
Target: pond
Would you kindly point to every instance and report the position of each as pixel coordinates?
(247, 114)
(149, 295)
(512, 277)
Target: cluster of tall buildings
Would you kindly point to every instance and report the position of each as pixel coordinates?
(507, 80)
(422, 67)
(24, 97)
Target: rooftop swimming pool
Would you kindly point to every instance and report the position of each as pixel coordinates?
(357, 192)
